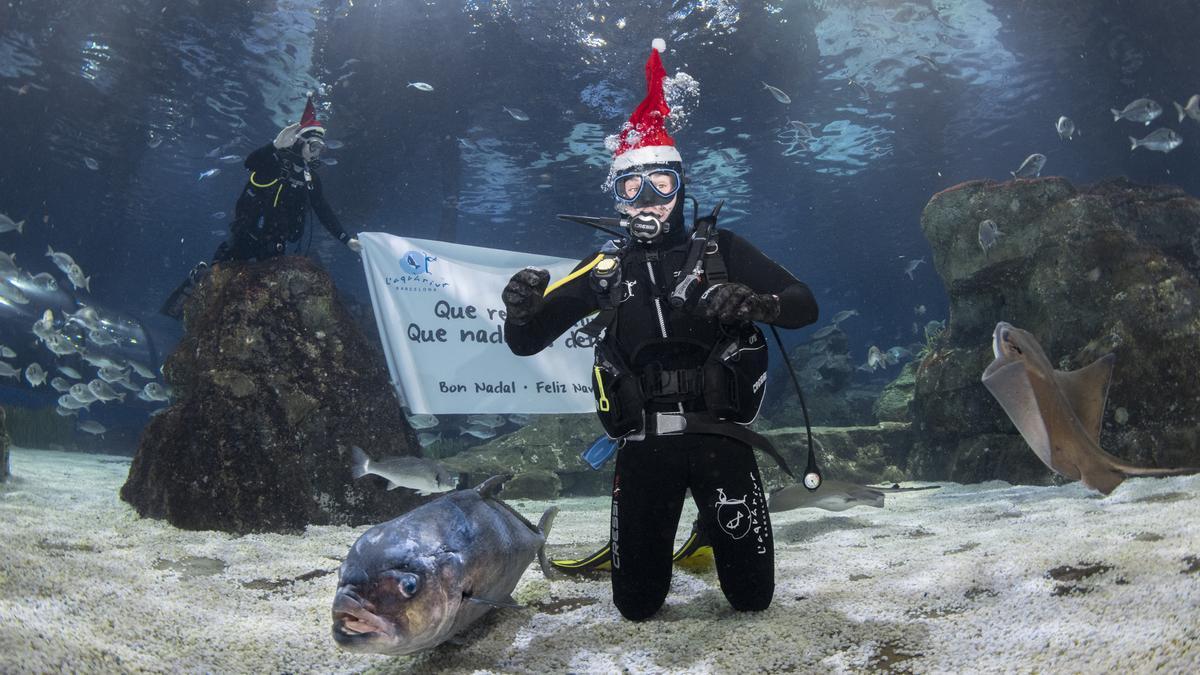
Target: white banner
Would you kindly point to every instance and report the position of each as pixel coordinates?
(441, 320)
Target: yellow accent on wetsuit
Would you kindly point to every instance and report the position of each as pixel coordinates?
(261, 185)
(573, 275)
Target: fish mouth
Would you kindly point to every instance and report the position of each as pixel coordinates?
(354, 623)
(1000, 339)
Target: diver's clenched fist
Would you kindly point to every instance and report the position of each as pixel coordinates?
(523, 294)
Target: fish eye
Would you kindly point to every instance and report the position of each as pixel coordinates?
(408, 584)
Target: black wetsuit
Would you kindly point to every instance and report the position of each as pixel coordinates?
(272, 207)
(653, 475)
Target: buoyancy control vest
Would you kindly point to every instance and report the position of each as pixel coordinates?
(655, 351)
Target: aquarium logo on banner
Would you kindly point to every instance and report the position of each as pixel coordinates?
(441, 321)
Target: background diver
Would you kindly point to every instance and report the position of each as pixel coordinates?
(273, 206)
(679, 368)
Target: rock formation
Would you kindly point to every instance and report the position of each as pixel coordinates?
(1111, 268)
(273, 384)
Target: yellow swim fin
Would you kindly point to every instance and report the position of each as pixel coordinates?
(599, 561)
(696, 555)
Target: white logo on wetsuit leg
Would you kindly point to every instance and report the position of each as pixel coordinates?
(732, 515)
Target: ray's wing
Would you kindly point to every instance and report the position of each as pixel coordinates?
(1086, 390)
(1009, 384)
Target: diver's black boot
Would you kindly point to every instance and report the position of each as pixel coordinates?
(173, 307)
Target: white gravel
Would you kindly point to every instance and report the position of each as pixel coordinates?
(949, 580)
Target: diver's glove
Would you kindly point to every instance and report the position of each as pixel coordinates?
(523, 294)
(287, 137)
(733, 302)
(352, 242)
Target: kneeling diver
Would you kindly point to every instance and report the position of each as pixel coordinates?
(679, 367)
(273, 206)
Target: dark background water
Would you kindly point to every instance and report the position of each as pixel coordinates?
(156, 91)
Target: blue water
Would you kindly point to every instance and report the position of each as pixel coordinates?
(154, 92)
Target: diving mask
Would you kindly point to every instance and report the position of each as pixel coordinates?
(646, 188)
(311, 147)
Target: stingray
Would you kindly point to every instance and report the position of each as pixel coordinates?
(833, 495)
(1059, 413)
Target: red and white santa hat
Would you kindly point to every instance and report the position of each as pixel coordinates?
(645, 140)
(308, 121)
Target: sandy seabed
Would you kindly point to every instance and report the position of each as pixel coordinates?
(967, 578)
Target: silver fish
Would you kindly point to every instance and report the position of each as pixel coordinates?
(1031, 167)
(898, 354)
(1160, 140)
(75, 276)
(422, 86)
(60, 385)
(428, 438)
(45, 325)
(414, 582)
(101, 338)
(154, 391)
(142, 370)
(862, 91)
(91, 163)
(825, 332)
(111, 374)
(928, 61)
(6, 370)
(7, 352)
(989, 232)
(1192, 109)
(71, 403)
(208, 174)
(489, 421)
(778, 94)
(481, 434)
(230, 159)
(7, 225)
(517, 114)
(85, 316)
(876, 358)
(520, 419)
(92, 427)
(35, 375)
(912, 266)
(61, 260)
(59, 345)
(83, 393)
(8, 263)
(1065, 128)
(44, 281)
(1142, 110)
(63, 412)
(12, 294)
(420, 422)
(844, 314)
(70, 372)
(416, 473)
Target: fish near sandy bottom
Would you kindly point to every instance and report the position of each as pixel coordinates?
(417, 580)
(833, 495)
(1059, 413)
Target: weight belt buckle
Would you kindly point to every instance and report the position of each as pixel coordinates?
(669, 424)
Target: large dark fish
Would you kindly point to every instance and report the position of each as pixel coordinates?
(416, 581)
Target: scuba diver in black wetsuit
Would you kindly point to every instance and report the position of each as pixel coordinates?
(680, 368)
(273, 206)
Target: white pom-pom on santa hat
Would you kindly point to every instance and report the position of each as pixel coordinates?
(659, 45)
